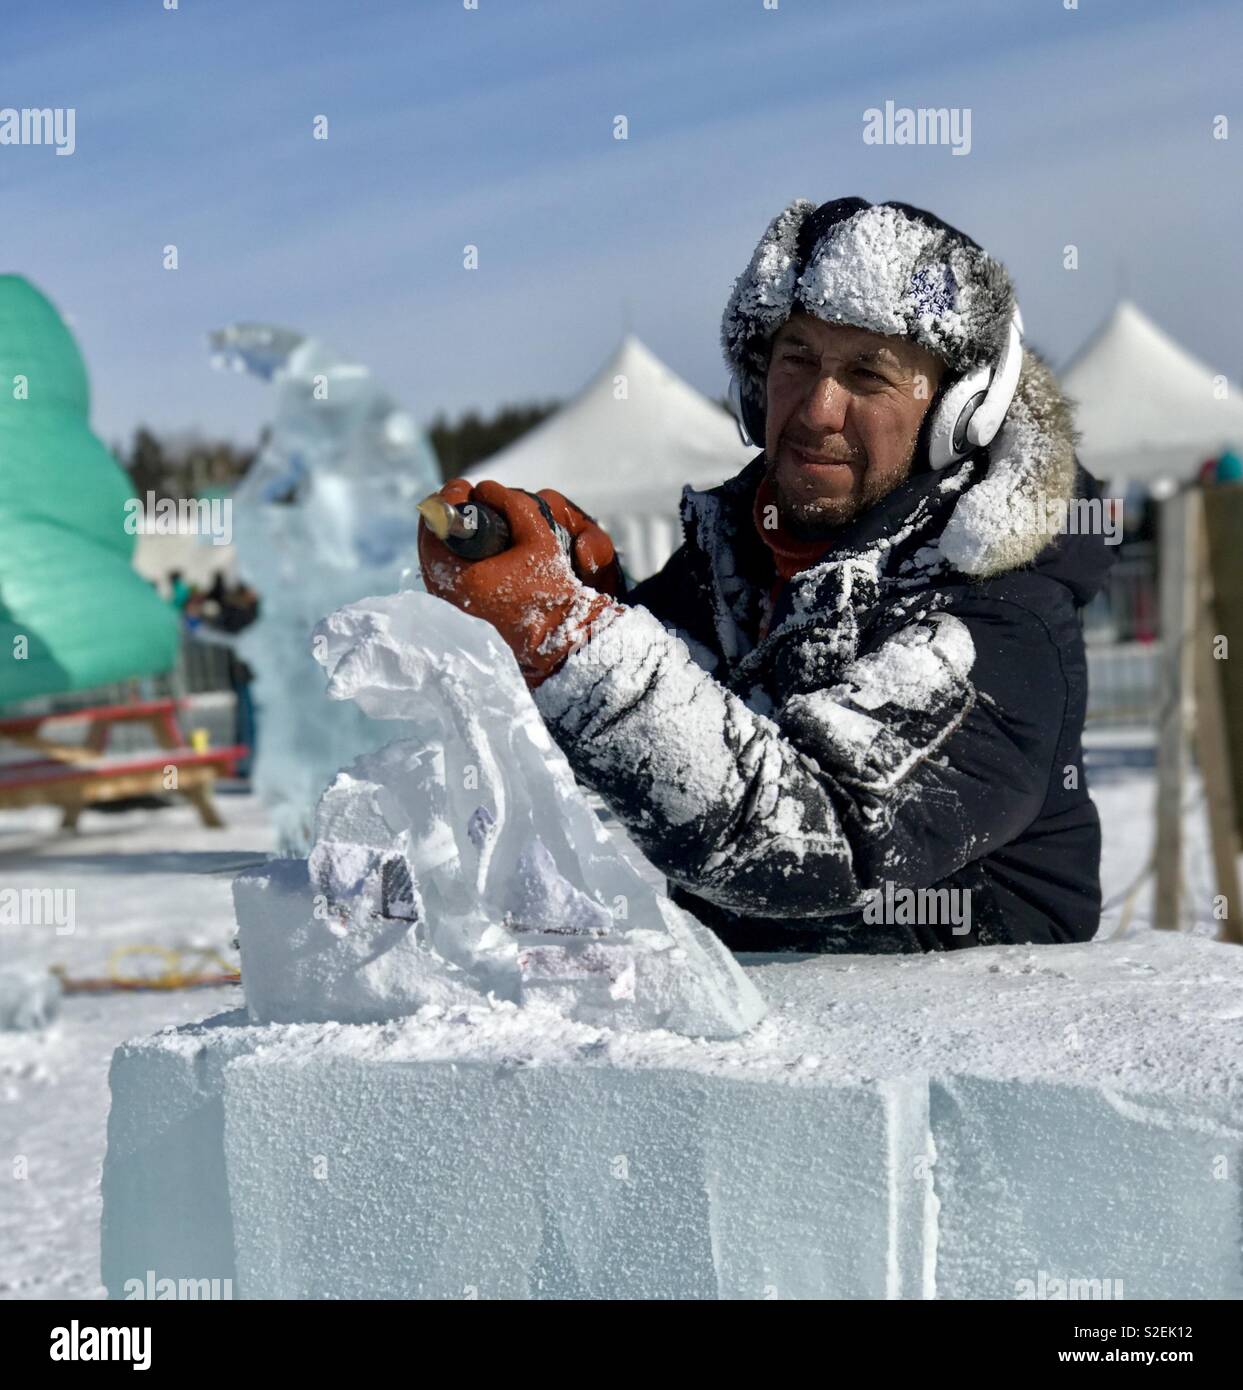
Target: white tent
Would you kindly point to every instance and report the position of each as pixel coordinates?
(623, 448)
(1149, 411)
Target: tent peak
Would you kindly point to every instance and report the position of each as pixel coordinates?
(1147, 408)
(636, 431)
(1127, 328)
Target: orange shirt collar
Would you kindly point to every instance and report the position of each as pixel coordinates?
(790, 555)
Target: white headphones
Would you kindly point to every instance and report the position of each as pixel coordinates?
(972, 410)
(968, 416)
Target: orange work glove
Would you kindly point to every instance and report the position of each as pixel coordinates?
(595, 560)
(441, 567)
(529, 592)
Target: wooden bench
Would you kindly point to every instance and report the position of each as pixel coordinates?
(76, 775)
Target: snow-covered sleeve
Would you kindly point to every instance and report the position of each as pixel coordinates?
(675, 595)
(921, 758)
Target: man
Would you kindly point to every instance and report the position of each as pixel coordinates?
(862, 675)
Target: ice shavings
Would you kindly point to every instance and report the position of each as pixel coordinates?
(761, 297)
(705, 518)
(632, 698)
(723, 753)
(914, 669)
(878, 269)
(921, 678)
(862, 273)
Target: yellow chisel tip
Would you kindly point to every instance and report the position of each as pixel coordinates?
(438, 514)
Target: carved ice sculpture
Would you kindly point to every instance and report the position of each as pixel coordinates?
(326, 515)
(463, 859)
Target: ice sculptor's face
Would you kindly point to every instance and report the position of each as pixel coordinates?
(844, 410)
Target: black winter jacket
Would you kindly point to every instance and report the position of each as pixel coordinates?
(911, 720)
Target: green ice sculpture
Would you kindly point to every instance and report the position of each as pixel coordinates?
(73, 611)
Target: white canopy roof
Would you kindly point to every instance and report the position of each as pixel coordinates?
(626, 443)
(1147, 408)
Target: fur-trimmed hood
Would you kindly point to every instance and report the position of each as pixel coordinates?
(1005, 519)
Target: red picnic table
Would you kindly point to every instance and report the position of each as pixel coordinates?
(76, 775)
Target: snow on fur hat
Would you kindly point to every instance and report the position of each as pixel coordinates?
(887, 267)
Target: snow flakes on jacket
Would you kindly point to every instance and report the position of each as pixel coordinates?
(912, 716)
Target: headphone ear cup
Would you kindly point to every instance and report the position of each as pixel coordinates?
(947, 434)
(746, 398)
(986, 420)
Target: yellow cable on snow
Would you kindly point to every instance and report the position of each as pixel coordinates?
(181, 969)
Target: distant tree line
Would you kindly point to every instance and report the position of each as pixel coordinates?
(181, 468)
(190, 467)
(473, 438)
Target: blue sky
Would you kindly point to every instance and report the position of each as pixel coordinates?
(494, 127)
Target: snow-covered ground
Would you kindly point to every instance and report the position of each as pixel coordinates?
(140, 877)
(1122, 779)
(158, 877)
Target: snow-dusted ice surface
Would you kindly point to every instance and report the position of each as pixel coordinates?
(163, 878)
(946, 1125)
(326, 515)
(462, 860)
(153, 877)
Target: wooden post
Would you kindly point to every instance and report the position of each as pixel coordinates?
(1176, 594)
(1213, 740)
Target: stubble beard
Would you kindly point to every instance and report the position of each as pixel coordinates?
(818, 518)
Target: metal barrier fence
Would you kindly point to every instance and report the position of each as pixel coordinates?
(1120, 627)
(1122, 683)
(1126, 608)
(201, 667)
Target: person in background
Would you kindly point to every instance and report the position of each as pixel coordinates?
(237, 608)
(179, 591)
